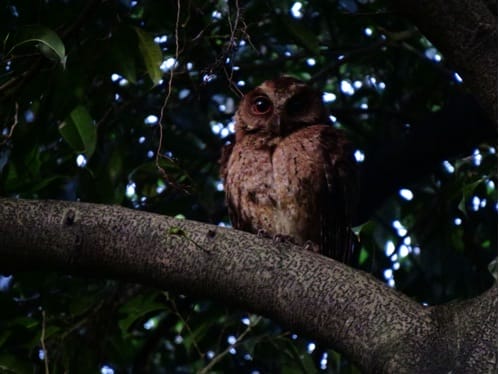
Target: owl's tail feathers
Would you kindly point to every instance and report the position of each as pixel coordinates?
(345, 246)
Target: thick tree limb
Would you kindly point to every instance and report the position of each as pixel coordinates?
(466, 33)
(378, 328)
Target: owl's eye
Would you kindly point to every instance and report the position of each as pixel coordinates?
(261, 105)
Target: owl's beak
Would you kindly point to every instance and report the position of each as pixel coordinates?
(275, 125)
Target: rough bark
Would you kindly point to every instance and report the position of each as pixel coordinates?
(378, 328)
(466, 33)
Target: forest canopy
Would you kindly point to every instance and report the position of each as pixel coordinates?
(130, 103)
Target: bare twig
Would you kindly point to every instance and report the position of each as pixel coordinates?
(232, 45)
(184, 323)
(238, 341)
(160, 169)
(13, 126)
(237, 28)
(42, 342)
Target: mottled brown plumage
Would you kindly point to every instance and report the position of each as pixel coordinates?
(290, 172)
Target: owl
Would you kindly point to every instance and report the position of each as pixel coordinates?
(289, 172)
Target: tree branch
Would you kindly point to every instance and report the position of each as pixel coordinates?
(466, 33)
(377, 327)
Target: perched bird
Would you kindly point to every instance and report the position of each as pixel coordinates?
(290, 173)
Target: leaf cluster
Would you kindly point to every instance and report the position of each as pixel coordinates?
(130, 102)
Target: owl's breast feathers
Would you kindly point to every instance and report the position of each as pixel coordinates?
(299, 186)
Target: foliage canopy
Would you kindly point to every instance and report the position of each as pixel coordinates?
(130, 102)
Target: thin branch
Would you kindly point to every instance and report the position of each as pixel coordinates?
(184, 323)
(238, 341)
(231, 46)
(17, 82)
(42, 342)
(161, 127)
(13, 126)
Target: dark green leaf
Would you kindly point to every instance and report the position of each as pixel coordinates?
(79, 131)
(12, 364)
(137, 308)
(45, 39)
(467, 192)
(151, 54)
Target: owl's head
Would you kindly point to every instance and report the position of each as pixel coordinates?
(278, 107)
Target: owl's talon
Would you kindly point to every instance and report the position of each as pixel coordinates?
(311, 246)
(278, 238)
(263, 234)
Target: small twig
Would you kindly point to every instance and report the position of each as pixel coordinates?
(13, 126)
(224, 353)
(169, 92)
(160, 169)
(42, 342)
(17, 82)
(11, 82)
(81, 322)
(184, 322)
(237, 28)
(179, 232)
(230, 49)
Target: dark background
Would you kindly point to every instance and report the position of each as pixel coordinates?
(407, 112)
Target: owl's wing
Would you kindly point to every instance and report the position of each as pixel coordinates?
(235, 217)
(224, 159)
(339, 195)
